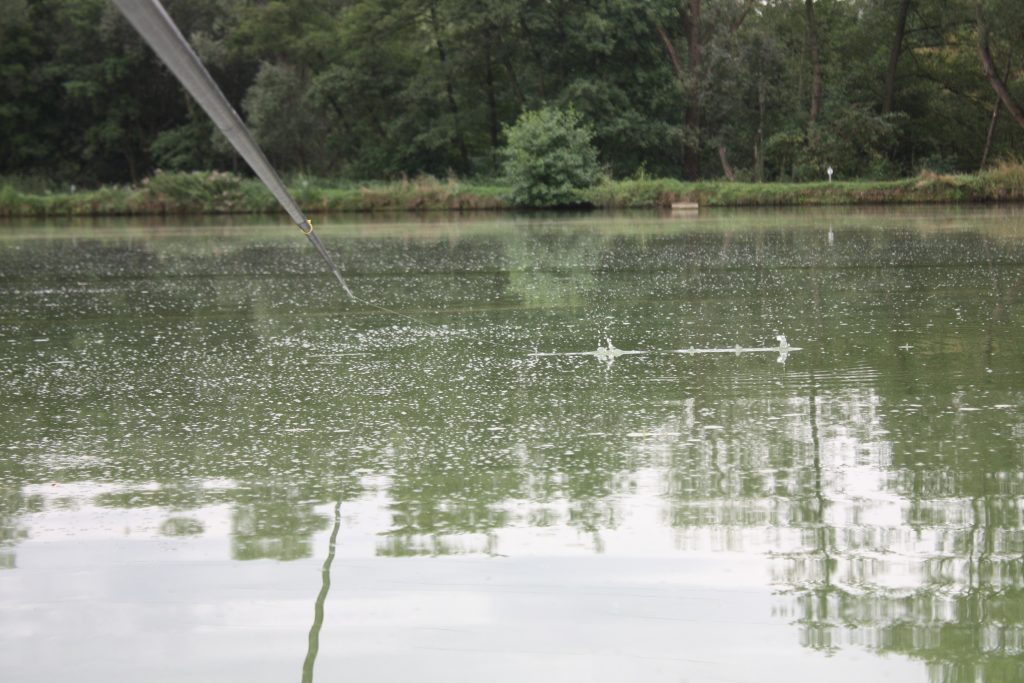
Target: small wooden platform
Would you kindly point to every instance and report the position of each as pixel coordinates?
(685, 206)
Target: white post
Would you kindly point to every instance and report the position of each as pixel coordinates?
(830, 173)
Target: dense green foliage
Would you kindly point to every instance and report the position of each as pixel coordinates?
(747, 89)
(550, 159)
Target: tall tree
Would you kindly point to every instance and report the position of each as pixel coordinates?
(894, 56)
(689, 77)
(814, 53)
(449, 86)
(691, 24)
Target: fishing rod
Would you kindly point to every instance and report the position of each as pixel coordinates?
(156, 27)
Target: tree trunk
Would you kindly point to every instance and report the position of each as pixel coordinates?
(762, 96)
(690, 79)
(673, 56)
(677, 68)
(510, 70)
(691, 156)
(815, 53)
(988, 136)
(723, 155)
(460, 141)
(990, 71)
(894, 56)
(542, 81)
(992, 122)
(492, 104)
(130, 158)
(738, 21)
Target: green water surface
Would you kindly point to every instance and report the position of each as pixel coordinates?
(215, 467)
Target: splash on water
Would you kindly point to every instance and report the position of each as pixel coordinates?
(609, 352)
(783, 349)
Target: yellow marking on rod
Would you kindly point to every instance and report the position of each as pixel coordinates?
(309, 223)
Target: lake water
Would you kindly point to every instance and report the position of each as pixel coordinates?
(215, 467)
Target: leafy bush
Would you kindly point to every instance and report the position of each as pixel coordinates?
(550, 159)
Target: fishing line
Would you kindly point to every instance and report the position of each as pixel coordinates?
(391, 311)
(308, 232)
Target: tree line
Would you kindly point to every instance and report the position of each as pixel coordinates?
(361, 89)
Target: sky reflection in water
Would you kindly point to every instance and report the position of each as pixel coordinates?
(179, 398)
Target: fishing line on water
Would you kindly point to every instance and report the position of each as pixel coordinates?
(391, 311)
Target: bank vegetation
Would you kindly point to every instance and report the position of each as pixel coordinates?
(220, 192)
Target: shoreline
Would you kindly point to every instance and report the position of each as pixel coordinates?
(168, 194)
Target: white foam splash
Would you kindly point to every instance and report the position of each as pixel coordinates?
(609, 352)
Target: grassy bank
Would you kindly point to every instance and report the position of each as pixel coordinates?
(184, 193)
(1004, 183)
(225, 193)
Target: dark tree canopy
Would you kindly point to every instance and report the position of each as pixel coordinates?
(360, 89)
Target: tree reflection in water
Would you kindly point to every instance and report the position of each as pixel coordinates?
(879, 468)
(313, 647)
(940, 577)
